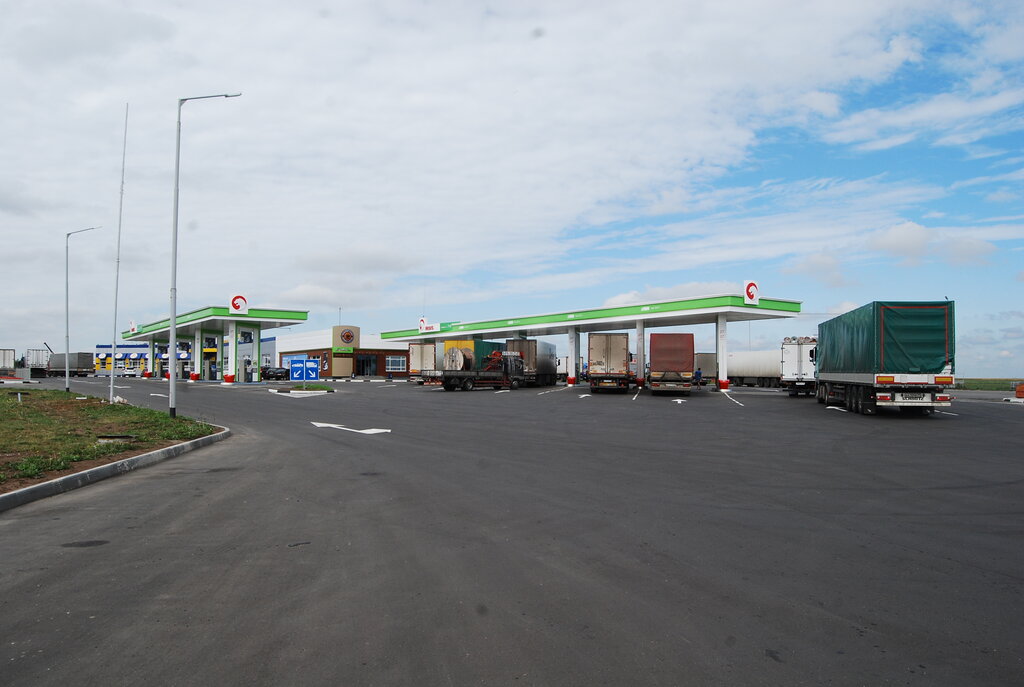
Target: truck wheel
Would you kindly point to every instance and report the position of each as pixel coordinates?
(468, 384)
(514, 384)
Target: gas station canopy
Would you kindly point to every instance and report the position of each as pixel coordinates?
(215, 319)
(703, 310)
(718, 310)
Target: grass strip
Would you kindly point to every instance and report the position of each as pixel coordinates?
(44, 431)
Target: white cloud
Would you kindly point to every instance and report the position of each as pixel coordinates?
(967, 251)
(1002, 196)
(843, 307)
(824, 267)
(907, 240)
(664, 293)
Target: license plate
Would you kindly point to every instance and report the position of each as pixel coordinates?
(910, 397)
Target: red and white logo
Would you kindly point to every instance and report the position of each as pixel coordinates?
(239, 305)
(751, 295)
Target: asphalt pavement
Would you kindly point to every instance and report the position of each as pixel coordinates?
(533, 537)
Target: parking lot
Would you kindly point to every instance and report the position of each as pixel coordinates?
(540, 536)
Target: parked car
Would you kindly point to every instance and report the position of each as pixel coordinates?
(275, 373)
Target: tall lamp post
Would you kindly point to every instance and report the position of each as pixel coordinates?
(172, 345)
(67, 310)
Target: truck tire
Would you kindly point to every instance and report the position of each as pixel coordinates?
(514, 384)
(467, 385)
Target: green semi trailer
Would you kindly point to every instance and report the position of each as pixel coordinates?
(887, 354)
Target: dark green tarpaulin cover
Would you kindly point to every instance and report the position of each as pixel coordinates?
(888, 336)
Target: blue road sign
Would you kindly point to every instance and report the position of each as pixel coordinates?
(305, 370)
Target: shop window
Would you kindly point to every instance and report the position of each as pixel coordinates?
(394, 363)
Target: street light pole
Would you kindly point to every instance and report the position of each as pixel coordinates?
(67, 309)
(172, 324)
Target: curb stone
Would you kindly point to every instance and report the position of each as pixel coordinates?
(86, 477)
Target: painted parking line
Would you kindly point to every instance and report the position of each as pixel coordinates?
(729, 396)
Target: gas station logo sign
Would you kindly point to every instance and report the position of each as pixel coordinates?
(348, 336)
(751, 293)
(238, 305)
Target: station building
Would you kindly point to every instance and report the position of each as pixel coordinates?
(344, 351)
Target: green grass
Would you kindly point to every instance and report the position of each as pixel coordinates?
(312, 387)
(48, 431)
(974, 384)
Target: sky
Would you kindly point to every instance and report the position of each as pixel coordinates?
(464, 160)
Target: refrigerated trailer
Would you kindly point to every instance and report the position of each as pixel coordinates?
(422, 362)
(608, 362)
(6, 362)
(37, 361)
(797, 375)
(888, 354)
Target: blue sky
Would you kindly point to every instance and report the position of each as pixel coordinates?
(464, 161)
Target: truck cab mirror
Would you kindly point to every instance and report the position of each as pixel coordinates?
(813, 352)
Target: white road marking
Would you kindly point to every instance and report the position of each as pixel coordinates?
(372, 430)
(942, 412)
(841, 410)
(726, 393)
(637, 394)
(585, 396)
(503, 391)
(679, 400)
(160, 395)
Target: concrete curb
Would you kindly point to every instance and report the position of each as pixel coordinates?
(86, 477)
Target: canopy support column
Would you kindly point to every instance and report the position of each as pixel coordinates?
(574, 356)
(641, 354)
(722, 352)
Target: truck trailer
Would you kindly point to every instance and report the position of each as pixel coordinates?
(797, 375)
(80, 365)
(608, 362)
(539, 360)
(888, 354)
(37, 362)
(422, 362)
(6, 362)
(671, 363)
(755, 368)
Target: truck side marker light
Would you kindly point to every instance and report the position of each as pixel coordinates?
(887, 379)
(943, 380)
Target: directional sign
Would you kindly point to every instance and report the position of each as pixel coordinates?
(305, 370)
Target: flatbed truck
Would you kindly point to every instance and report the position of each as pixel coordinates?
(499, 370)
